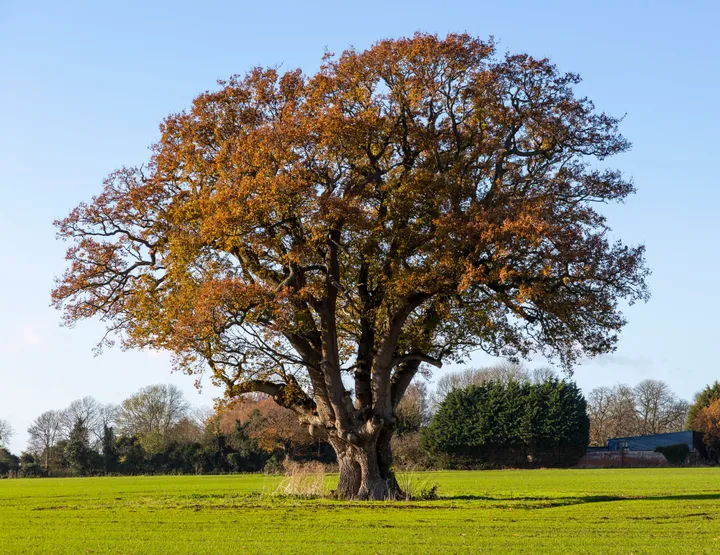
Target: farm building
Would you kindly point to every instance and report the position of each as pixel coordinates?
(650, 442)
(639, 451)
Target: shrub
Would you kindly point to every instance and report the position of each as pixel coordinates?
(32, 470)
(273, 466)
(674, 454)
(9, 463)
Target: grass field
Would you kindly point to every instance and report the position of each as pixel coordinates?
(532, 511)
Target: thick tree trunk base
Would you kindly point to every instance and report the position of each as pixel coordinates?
(365, 473)
(350, 476)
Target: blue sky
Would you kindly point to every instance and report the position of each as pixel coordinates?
(84, 86)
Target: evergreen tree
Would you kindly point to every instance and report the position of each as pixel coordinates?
(8, 462)
(79, 455)
(109, 450)
(513, 423)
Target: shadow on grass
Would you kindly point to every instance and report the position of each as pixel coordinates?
(578, 499)
(549, 502)
(682, 497)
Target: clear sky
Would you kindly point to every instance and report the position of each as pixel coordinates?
(84, 85)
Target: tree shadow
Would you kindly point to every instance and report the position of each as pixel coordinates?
(578, 499)
(540, 502)
(682, 497)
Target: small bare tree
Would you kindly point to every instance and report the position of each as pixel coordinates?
(6, 432)
(612, 412)
(94, 415)
(502, 372)
(45, 432)
(648, 408)
(659, 410)
(599, 407)
(413, 410)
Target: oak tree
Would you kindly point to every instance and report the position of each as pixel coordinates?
(320, 237)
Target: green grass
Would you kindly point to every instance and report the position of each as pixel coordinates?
(533, 511)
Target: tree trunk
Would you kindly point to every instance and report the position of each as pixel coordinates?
(385, 459)
(350, 471)
(361, 475)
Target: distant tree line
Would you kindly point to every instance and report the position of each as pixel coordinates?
(154, 431)
(504, 415)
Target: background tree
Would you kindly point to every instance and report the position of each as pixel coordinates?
(502, 372)
(9, 463)
(45, 432)
(412, 415)
(6, 432)
(29, 467)
(151, 414)
(462, 379)
(131, 455)
(94, 415)
(703, 399)
(598, 407)
(318, 238)
(708, 422)
(79, 455)
(658, 408)
(109, 450)
(623, 411)
(186, 430)
(275, 428)
(650, 407)
(413, 410)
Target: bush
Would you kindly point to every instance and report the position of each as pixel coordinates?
(32, 470)
(9, 463)
(674, 454)
(272, 466)
(510, 424)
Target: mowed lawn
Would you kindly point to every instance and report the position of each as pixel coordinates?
(530, 511)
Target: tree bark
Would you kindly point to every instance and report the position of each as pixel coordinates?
(350, 472)
(385, 460)
(366, 469)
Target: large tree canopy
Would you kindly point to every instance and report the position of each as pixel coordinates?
(318, 238)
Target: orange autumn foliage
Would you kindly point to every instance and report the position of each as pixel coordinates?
(708, 422)
(318, 238)
(272, 426)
